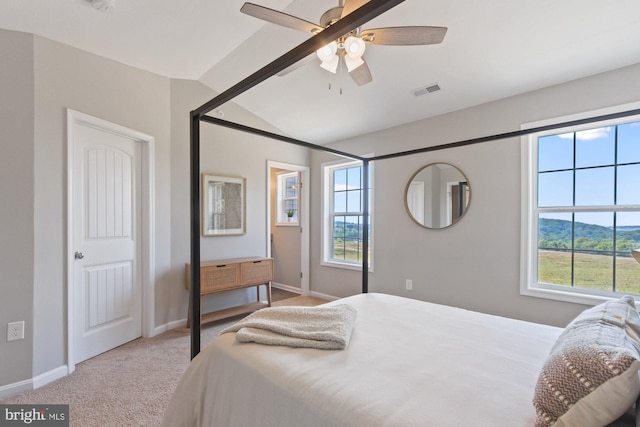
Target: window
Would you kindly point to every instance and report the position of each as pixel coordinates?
(288, 198)
(582, 213)
(343, 209)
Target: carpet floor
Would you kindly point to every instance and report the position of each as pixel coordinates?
(131, 384)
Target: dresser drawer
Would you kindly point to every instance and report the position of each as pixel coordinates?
(256, 272)
(217, 277)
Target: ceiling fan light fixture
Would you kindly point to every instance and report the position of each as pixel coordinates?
(326, 53)
(331, 64)
(354, 47)
(352, 63)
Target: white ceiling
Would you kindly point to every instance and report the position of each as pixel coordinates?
(493, 49)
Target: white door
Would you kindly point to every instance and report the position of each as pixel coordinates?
(106, 226)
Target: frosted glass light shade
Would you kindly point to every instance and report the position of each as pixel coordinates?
(327, 52)
(331, 64)
(354, 47)
(352, 63)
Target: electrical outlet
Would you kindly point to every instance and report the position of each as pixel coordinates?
(15, 331)
(409, 284)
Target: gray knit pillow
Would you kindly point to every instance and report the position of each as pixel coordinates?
(591, 375)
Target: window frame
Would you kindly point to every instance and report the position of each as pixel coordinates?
(281, 199)
(529, 285)
(327, 212)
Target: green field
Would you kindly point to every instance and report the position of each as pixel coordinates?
(349, 250)
(591, 271)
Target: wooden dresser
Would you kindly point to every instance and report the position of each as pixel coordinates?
(224, 275)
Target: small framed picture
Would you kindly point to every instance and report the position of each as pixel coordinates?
(223, 205)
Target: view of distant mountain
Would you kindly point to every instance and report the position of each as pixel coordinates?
(556, 233)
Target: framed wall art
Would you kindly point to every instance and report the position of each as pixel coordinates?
(223, 205)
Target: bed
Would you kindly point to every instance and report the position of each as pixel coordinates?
(408, 363)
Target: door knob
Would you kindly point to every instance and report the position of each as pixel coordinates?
(79, 255)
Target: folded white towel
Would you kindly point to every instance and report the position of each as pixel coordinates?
(322, 327)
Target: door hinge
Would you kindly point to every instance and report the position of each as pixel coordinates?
(301, 275)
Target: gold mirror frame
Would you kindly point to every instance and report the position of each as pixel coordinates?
(452, 197)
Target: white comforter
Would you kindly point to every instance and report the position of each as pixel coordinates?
(409, 363)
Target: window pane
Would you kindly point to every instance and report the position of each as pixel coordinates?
(627, 238)
(340, 201)
(593, 247)
(628, 185)
(554, 248)
(354, 201)
(354, 177)
(339, 179)
(595, 147)
(594, 187)
(555, 189)
(629, 143)
(555, 152)
(347, 238)
(338, 226)
(291, 185)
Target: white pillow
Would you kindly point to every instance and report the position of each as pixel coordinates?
(590, 378)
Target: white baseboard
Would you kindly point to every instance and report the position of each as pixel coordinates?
(285, 287)
(168, 326)
(323, 296)
(16, 388)
(51, 376)
(33, 383)
(298, 291)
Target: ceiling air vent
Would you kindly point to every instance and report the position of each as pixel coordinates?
(434, 87)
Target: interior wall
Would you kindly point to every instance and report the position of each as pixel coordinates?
(41, 80)
(16, 209)
(285, 242)
(66, 77)
(222, 152)
(474, 264)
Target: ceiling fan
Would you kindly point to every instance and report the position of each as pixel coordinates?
(348, 49)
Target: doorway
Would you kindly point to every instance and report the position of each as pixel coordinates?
(109, 236)
(287, 225)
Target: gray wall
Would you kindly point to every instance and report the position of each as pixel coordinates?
(475, 263)
(16, 209)
(285, 245)
(43, 79)
(66, 77)
(222, 152)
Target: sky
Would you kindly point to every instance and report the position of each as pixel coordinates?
(595, 151)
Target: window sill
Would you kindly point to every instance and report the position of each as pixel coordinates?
(558, 294)
(287, 224)
(344, 265)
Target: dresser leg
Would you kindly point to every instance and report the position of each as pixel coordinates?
(268, 284)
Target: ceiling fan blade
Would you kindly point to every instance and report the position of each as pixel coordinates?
(299, 64)
(351, 5)
(279, 18)
(362, 74)
(404, 36)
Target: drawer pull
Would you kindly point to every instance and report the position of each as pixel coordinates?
(223, 265)
(257, 262)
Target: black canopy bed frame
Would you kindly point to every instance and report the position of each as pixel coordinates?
(368, 11)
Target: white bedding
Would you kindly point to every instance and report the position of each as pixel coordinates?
(409, 363)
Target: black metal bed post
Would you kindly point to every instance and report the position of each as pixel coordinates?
(194, 287)
(363, 14)
(365, 226)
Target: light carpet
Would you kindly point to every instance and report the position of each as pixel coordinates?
(131, 384)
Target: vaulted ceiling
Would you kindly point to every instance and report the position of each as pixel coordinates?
(493, 49)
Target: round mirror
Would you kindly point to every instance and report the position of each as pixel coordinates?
(437, 195)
